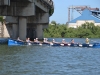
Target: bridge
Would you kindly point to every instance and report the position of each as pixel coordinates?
(25, 18)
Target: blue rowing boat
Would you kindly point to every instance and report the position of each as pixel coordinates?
(15, 42)
(12, 42)
(96, 45)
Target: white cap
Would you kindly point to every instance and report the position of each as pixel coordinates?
(36, 38)
(86, 38)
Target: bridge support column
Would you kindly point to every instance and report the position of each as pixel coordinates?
(39, 31)
(22, 28)
(15, 31)
(7, 31)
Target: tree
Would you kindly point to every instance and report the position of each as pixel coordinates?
(53, 23)
(60, 30)
(1, 18)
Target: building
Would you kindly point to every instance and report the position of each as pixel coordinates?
(86, 16)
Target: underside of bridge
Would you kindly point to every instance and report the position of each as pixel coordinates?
(26, 18)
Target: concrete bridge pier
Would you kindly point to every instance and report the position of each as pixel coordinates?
(39, 32)
(25, 18)
(15, 31)
(22, 28)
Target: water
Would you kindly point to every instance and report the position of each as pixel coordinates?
(46, 60)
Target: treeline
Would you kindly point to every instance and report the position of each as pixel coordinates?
(62, 31)
(1, 19)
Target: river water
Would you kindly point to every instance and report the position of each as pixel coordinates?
(47, 60)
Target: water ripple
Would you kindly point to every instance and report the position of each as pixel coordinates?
(46, 60)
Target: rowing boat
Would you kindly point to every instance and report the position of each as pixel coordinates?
(12, 42)
(96, 45)
(15, 42)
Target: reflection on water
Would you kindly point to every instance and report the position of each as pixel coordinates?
(46, 60)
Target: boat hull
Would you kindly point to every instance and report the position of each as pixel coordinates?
(19, 43)
(14, 42)
(96, 45)
(87, 45)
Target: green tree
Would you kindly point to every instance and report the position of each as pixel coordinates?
(53, 23)
(61, 30)
(1, 18)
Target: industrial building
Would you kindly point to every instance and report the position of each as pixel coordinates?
(88, 14)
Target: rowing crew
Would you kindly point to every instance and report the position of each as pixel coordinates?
(28, 40)
(45, 40)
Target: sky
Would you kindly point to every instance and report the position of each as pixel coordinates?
(60, 14)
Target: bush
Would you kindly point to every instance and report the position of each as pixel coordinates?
(61, 30)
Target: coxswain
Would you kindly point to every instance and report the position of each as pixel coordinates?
(87, 41)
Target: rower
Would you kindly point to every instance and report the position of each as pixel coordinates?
(28, 40)
(46, 40)
(53, 41)
(34, 40)
(63, 41)
(72, 41)
(37, 41)
(18, 39)
(87, 41)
